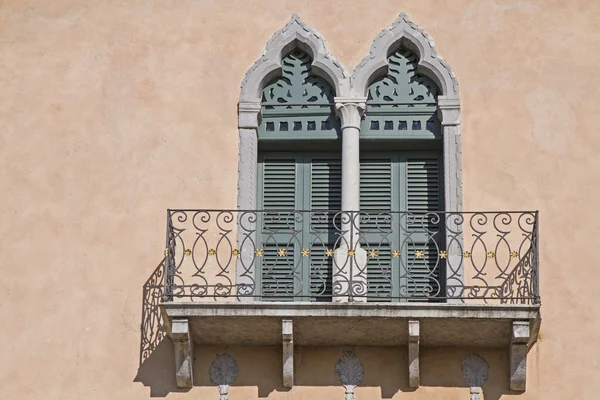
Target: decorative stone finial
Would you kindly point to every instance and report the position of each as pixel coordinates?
(475, 373)
(223, 372)
(350, 371)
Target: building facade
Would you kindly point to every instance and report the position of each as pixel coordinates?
(297, 200)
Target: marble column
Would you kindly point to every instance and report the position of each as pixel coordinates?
(350, 260)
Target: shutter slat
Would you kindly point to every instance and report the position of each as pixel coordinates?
(375, 186)
(279, 190)
(423, 185)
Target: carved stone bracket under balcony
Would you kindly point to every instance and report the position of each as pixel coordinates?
(184, 352)
(513, 327)
(519, 346)
(287, 333)
(414, 337)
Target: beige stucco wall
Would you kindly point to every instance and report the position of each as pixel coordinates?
(113, 111)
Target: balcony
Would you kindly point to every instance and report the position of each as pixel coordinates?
(374, 278)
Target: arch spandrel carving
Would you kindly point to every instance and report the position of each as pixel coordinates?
(295, 34)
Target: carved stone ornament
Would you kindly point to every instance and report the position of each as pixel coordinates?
(223, 372)
(475, 372)
(350, 371)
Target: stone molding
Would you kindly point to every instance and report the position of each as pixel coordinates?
(248, 113)
(449, 110)
(406, 32)
(355, 309)
(294, 33)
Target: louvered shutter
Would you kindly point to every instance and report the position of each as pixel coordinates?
(376, 195)
(423, 195)
(423, 185)
(279, 192)
(325, 200)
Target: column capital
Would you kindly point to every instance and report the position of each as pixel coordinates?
(449, 110)
(350, 110)
(248, 114)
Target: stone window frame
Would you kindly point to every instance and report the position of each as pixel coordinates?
(296, 34)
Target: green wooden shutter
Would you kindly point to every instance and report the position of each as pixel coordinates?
(423, 184)
(423, 194)
(296, 181)
(376, 195)
(278, 192)
(325, 195)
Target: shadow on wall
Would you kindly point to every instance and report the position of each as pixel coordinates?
(261, 367)
(157, 359)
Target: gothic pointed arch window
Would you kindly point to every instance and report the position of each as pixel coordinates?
(299, 168)
(402, 171)
(290, 160)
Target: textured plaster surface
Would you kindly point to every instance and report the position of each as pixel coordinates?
(113, 111)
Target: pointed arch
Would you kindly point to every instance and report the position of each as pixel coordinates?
(403, 32)
(295, 34)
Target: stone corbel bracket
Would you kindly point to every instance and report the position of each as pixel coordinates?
(184, 353)
(287, 333)
(414, 337)
(521, 333)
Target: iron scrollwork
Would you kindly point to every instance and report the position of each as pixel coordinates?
(332, 255)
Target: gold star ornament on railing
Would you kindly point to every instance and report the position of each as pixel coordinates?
(235, 252)
(329, 253)
(396, 253)
(259, 252)
(305, 252)
(443, 254)
(373, 253)
(282, 252)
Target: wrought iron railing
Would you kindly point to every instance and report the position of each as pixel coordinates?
(374, 256)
